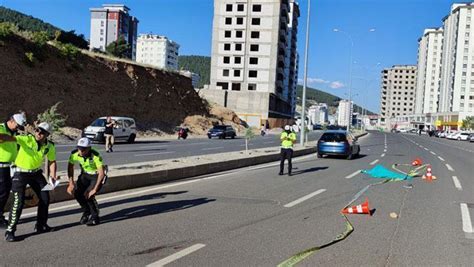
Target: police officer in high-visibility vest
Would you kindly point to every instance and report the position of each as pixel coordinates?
(32, 152)
(288, 138)
(89, 182)
(8, 152)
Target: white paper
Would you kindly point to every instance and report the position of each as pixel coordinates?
(51, 184)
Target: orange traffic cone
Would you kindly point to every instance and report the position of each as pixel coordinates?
(359, 209)
(417, 162)
(429, 176)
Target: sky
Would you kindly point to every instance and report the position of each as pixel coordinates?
(383, 33)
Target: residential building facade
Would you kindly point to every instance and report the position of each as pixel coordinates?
(430, 47)
(398, 92)
(318, 114)
(344, 112)
(254, 59)
(158, 51)
(109, 23)
(195, 78)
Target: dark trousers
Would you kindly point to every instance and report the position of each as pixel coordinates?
(286, 153)
(36, 181)
(5, 187)
(86, 182)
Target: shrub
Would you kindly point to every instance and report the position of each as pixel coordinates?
(53, 117)
(7, 29)
(40, 38)
(30, 58)
(68, 50)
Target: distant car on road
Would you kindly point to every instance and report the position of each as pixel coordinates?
(338, 142)
(222, 131)
(125, 129)
(471, 137)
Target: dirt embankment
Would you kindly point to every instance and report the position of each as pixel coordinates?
(91, 87)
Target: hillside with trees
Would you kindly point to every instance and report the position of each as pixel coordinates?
(197, 64)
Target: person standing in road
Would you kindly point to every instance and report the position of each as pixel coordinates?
(109, 134)
(8, 152)
(89, 181)
(31, 153)
(288, 138)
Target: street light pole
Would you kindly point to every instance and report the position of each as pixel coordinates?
(303, 115)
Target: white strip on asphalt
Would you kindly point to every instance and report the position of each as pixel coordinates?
(433, 153)
(385, 150)
(152, 154)
(352, 175)
(449, 167)
(212, 148)
(466, 219)
(61, 161)
(440, 158)
(269, 142)
(426, 149)
(457, 184)
(383, 155)
(135, 211)
(373, 162)
(160, 146)
(299, 200)
(177, 255)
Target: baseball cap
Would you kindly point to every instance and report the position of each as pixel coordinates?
(19, 119)
(84, 142)
(44, 126)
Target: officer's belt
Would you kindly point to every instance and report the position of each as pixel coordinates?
(90, 173)
(5, 165)
(27, 171)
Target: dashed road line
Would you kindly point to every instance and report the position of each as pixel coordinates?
(433, 153)
(373, 162)
(152, 154)
(449, 167)
(385, 150)
(299, 200)
(177, 255)
(466, 219)
(383, 155)
(440, 158)
(352, 175)
(426, 149)
(457, 184)
(212, 148)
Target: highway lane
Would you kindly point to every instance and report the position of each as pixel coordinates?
(244, 217)
(146, 150)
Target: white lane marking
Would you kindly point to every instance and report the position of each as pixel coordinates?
(426, 148)
(457, 184)
(299, 200)
(466, 219)
(385, 150)
(373, 162)
(176, 255)
(61, 161)
(152, 154)
(352, 175)
(449, 167)
(213, 148)
(135, 211)
(383, 155)
(160, 146)
(440, 158)
(433, 153)
(269, 142)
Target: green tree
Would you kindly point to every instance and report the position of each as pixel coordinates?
(119, 48)
(249, 134)
(53, 117)
(468, 123)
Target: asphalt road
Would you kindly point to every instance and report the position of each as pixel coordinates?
(254, 217)
(142, 151)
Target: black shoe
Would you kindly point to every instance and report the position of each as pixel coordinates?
(39, 229)
(280, 173)
(111, 150)
(93, 222)
(107, 151)
(289, 174)
(10, 236)
(84, 218)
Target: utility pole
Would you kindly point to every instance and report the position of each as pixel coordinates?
(303, 115)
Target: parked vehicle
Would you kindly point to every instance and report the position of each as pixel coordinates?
(460, 136)
(450, 136)
(124, 130)
(222, 131)
(443, 134)
(338, 142)
(471, 137)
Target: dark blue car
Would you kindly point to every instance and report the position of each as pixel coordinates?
(338, 142)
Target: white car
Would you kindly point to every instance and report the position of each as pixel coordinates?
(404, 130)
(450, 135)
(124, 130)
(460, 136)
(443, 134)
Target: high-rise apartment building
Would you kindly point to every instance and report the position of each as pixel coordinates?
(158, 51)
(109, 23)
(344, 112)
(254, 59)
(430, 47)
(318, 114)
(398, 92)
(457, 73)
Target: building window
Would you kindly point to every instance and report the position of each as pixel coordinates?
(236, 73)
(228, 21)
(256, 21)
(237, 60)
(240, 7)
(102, 23)
(227, 34)
(225, 73)
(254, 48)
(101, 39)
(257, 8)
(228, 8)
(238, 47)
(252, 87)
(226, 47)
(254, 60)
(255, 35)
(240, 21)
(224, 86)
(236, 86)
(226, 60)
(238, 34)
(252, 73)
